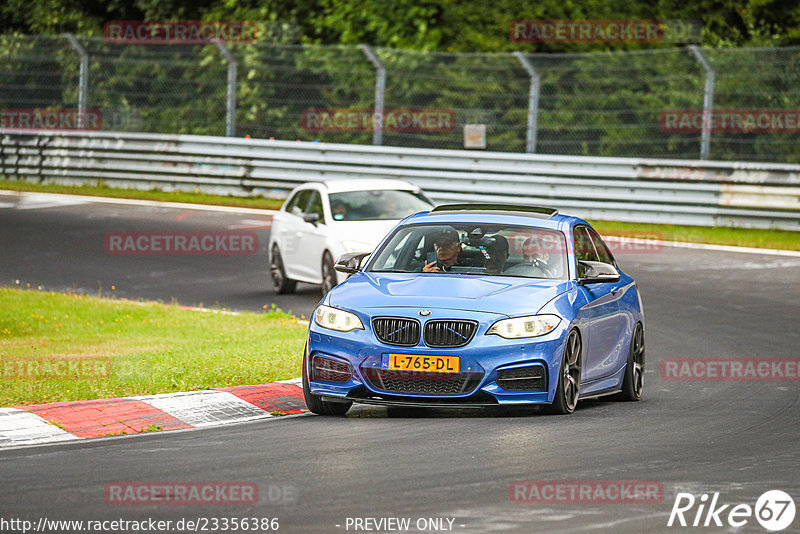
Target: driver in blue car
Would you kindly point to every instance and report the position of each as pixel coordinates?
(447, 246)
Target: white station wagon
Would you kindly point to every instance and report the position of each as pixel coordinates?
(322, 220)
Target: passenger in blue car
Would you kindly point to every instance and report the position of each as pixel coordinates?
(498, 254)
(447, 246)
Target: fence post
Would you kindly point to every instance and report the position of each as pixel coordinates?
(380, 88)
(708, 101)
(83, 80)
(230, 106)
(533, 102)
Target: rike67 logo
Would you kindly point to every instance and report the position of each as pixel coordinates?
(774, 510)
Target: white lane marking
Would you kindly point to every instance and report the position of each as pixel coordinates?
(150, 203)
(293, 381)
(251, 224)
(204, 408)
(232, 209)
(20, 427)
(42, 201)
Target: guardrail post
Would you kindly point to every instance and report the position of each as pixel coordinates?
(230, 106)
(533, 102)
(83, 80)
(708, 101)
(380, 88)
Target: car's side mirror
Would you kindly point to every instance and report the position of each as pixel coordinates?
(595, 272)
(312, 218)
(350, 262)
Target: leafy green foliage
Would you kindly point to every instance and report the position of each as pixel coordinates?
(445, 25)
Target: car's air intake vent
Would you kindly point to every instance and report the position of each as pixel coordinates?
(396, 330)
(449, 333)
(532, 378)
(330, 370)
(422, 383)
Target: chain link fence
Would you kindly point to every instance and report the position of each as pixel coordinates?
(598, 104)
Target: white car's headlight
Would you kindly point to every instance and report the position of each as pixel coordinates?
(358, 246)
(337, 319)
(528, 326)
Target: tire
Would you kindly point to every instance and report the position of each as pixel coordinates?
(280, 282)
(329, 279)
(315, 404)
(569, 378)
(633, 382)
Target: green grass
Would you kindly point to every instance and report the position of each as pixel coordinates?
(742, 237)
(149, 347)
(100, 190)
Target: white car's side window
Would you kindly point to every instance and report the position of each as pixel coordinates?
(298, 202)
(315, 206)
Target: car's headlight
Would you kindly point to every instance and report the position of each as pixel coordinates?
(357, 246)
(528, 326)
(337, 319)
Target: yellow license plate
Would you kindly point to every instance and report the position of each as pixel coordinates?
(418, 362)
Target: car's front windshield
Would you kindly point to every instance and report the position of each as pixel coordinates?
(376, 205)
(474, 248)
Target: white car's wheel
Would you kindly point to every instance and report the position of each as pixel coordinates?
(329, 279)
(282, 284)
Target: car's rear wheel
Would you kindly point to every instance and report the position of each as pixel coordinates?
(633, 382)
(569, 380)
(329, 279)
(315, 404)
(282, 284)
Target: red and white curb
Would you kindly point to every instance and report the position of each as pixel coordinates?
(73, 420)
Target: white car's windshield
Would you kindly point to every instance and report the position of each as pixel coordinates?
(471, 248)
(376, 205)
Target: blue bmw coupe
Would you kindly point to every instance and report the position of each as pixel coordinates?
(478, 305)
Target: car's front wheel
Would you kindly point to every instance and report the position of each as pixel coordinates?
(633, 382)
(282, 284)
(315, 404)
(569, 379)
(329, 279)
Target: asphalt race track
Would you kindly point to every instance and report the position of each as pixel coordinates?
(737, 438)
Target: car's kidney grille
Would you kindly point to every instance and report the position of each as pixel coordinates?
(396, 330)
(449, 333)
(421, 382)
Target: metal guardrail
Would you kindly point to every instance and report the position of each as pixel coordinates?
(757, 195)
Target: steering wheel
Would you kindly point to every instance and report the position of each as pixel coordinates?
(544, 267)
(524, 269)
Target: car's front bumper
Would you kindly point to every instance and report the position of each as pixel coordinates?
(483, 359)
